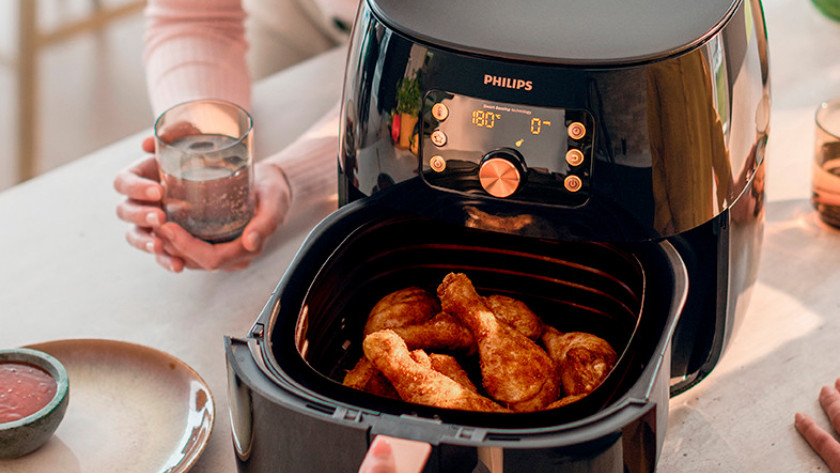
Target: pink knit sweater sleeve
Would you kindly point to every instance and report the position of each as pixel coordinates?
(196, 49)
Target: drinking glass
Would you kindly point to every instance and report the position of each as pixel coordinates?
(203, 151)
(826, 168)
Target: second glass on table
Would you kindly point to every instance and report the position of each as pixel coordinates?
(203, 150)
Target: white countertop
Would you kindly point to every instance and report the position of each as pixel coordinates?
(66, 271)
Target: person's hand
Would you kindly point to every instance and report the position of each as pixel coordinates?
(826, 446)
(173, 247)
(140, 184)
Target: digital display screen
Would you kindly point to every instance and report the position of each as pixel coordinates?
(550, 148)
(475, 127)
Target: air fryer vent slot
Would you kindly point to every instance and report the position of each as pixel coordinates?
(504, 437)
(321, 408)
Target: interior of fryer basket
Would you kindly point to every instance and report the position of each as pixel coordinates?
(574, 286)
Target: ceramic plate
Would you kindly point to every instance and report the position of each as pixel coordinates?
(132, 409)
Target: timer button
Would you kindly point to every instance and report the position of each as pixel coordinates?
(576, 130)
(501, 173)
(440, 111)
(438, 138)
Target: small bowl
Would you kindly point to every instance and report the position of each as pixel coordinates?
(22, 436)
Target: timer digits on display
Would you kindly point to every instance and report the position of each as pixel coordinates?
(537, 124)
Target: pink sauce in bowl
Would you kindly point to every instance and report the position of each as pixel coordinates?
(34, 394)
(24, 390)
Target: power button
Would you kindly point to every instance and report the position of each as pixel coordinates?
(572, 183)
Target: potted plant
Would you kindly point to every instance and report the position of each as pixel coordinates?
(408, 107)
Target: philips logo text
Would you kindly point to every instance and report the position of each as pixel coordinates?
(508, 82)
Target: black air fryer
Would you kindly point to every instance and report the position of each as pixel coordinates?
(601, 161)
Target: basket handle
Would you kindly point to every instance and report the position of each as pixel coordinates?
(395, 455)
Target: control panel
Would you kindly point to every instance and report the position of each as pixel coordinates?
(506, 150)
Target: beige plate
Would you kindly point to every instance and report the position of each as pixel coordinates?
(132, 409)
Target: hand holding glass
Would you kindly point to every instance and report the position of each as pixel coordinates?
(203, 150)
(825, 195)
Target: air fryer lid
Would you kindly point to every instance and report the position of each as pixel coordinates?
(364, 251)
(559, 31)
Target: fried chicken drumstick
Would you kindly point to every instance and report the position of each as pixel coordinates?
(583, 359)
(515, 370)
(365, 377)
(441, 332)
(516, 314)
(409, 306)
(415, 381)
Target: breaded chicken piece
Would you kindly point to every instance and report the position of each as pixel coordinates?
(515, 370)
(450, 367)
(583, 360)
(365, 377)
(422, 358)
(565, 401)
(516, 314)
(417, 383)
(441, 332)
(409, 306)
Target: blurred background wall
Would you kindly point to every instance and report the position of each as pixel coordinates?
(72, 79)
(75, 67)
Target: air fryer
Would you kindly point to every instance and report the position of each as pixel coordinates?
(602, 163)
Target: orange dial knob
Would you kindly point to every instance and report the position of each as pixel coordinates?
(500, 174)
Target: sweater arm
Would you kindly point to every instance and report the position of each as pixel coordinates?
(196, 49)
(310, 163)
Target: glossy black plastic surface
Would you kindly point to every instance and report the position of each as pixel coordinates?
(672, 139)
(561, 31)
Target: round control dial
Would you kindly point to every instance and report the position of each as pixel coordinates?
(501, 172)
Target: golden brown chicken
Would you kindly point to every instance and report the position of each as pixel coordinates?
(584, 360)
(565, 401)
(417, 383)
(441, 332)
(516, 314)
(409, 306)
(422, 359)
(365, 377)
(450, 367)
(515, 370)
